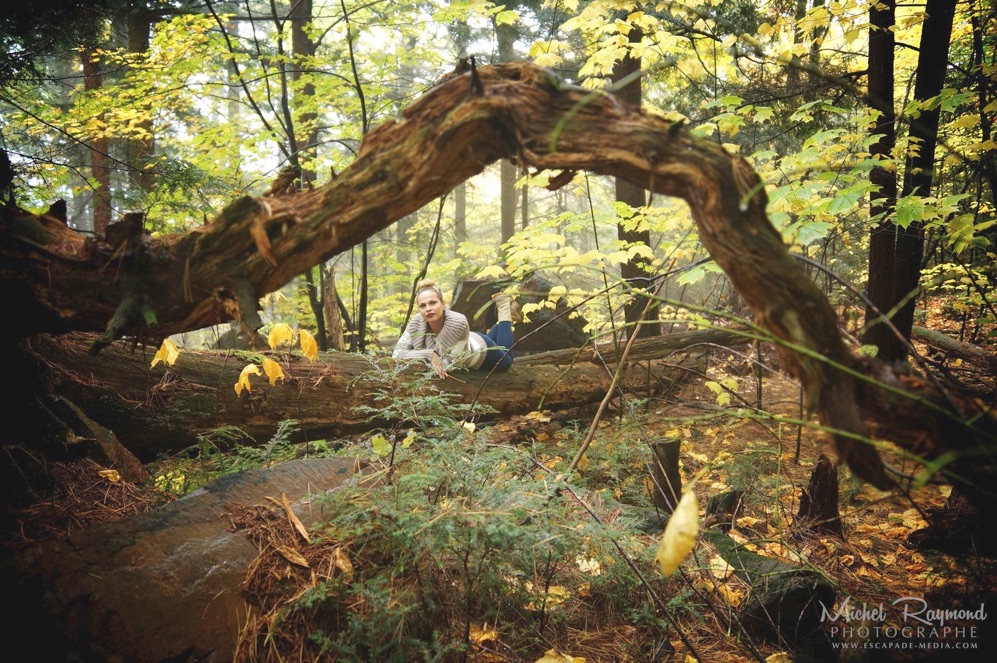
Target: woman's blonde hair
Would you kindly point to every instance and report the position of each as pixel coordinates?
(429, 284)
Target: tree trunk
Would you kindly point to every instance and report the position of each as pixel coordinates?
(883, 199)
(159, 410)
(819, 501)
(919, 171)
(635, 272)
(58, 280)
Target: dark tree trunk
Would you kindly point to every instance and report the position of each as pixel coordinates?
(882, 242)
(635, 271)
(819, 501)
(919, 172)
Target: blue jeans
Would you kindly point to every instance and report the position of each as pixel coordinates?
(499, 340)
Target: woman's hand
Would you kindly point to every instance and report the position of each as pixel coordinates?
(438, 366)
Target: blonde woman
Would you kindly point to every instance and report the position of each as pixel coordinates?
(444, 339)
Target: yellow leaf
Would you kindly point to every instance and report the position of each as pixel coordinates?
(168, 353)
(468, 427)
(779, 657)
(381, 445)
(480, 634)
(732, 596)
(293, 556)
(273, 370)
(554, 656)
(680, 534)
(293, 517)
(243, 383)
(308, 344)
(110, 475)
(343, 562)
(280, 333)
(409, 440)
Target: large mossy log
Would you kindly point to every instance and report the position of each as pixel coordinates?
(157, 410)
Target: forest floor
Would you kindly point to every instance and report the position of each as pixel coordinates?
(946, 595)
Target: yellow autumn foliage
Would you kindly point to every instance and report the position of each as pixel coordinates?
(167, 353)
(280, 333)
(243, 383)
(273, 370)
(680, 534)
(308, 344)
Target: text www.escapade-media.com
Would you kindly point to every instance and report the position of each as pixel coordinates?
(922, 627)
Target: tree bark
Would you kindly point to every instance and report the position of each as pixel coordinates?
(159, 410)
(59, 281)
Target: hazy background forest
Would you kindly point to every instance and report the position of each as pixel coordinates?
(176, 108)
(871, 127)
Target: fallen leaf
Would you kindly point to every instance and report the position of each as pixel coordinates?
(554, 656)
(110, 475)
(293, 517)
(479, 634)
(342, 562)
(293, 556)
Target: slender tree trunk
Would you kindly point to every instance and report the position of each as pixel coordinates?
(634, 271)
(882, 242)
(99, 169)
(919, 172)
(506, 36)
(141, 150)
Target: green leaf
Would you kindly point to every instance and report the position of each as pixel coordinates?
(811, 232)
(909, 210)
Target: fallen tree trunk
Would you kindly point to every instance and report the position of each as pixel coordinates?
(150, 288)
(974, 354)
(160, 410)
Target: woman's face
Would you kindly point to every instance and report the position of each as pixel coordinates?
(430, 306)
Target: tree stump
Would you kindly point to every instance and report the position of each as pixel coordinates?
(667, 487)
(819, 501)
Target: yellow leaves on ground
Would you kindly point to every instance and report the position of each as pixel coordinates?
(680, 534)
(110, 475)
(243, 383)
(167, 353)
(482, 634)
(554, 656)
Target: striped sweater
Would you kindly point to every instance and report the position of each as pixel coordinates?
(453, 343)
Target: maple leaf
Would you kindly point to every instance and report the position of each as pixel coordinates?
(280, 333)
(308, 344)
(167, 353)
(680, 534)
(243, 383)
(273, 370)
